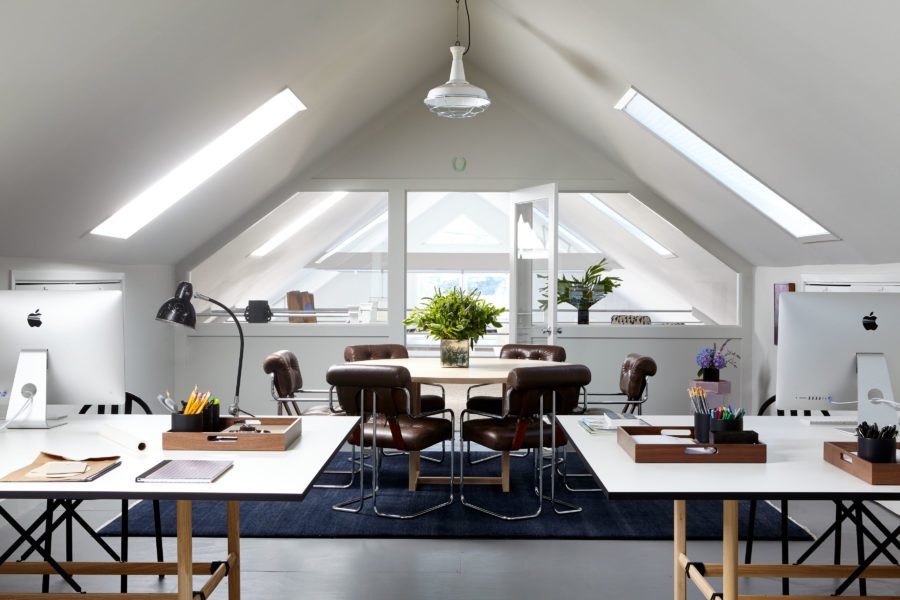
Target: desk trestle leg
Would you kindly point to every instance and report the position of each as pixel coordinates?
(185, 550)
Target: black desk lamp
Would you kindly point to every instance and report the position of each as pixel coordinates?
(180, 311)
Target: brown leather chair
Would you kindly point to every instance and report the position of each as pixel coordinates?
(379, 395)
(531, 394)
(633, 386)
(428, 402)
(287, 384)
(494, 404)
(633, 393)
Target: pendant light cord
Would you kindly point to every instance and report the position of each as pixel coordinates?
(468, 26)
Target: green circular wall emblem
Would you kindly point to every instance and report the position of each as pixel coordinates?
(459, 163)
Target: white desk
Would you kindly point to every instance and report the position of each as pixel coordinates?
(287, 475)
(795, 470)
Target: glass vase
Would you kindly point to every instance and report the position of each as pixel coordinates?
(455, 353)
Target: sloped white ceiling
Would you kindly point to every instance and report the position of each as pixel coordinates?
(99, 98)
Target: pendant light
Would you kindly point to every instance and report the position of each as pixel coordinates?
(458, 99)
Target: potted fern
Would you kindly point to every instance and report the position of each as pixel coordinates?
(458, 318)
(583, 292)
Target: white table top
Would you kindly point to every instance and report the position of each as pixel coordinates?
(795, 468)
(284, 475)
(480, 370)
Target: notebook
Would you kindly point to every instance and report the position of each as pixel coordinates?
(185, 471)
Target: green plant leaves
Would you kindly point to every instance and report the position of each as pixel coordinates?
(585, 292)
(455, 315)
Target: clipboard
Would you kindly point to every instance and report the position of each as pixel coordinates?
(97, 467)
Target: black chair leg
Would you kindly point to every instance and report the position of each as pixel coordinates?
(48, 537)
(751, 525)
(785, 582)
(157, 524)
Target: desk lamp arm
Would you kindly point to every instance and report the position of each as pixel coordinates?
(234, 409)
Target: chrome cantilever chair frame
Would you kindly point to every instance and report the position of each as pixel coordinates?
(343, 506)
(538, 468)
(469, 444)
(285, 404)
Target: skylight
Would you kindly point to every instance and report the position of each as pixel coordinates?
(179, 182)
(382, 218)
(721, 168)
(302, 221)
(628, 226)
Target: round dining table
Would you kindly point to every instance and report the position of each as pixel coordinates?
(480, 370)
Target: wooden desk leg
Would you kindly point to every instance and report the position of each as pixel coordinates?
(504, 469)
(680, 537)
(730, 549)
(185, 550)
(234, 547)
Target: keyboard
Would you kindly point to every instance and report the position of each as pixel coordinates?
(832, 421)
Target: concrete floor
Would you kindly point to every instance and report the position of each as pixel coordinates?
(340, 569)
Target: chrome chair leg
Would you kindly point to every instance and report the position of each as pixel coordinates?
(361, 500)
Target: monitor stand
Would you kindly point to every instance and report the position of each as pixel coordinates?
(28, 398)
(873, 381)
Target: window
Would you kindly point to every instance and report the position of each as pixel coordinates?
(721, 168)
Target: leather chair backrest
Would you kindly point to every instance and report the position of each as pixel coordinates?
(285, 368)
(527, 385)
(383, 380)
(374, 352)
(635, 371)
(533, 352)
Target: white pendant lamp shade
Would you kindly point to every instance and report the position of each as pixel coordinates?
(457, 99)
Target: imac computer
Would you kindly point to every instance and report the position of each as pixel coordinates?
(59, 348)
(839, 351)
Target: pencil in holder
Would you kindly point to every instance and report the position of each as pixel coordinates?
(701, 427)
(183, 422)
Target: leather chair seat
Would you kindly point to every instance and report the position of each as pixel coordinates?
(498, 434)
(418, 433)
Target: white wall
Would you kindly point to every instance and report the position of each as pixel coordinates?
(509, 147)
(148, 344)
(764, 349)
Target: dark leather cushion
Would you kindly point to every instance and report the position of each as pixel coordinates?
(285, 367)
(633, 378)
(374, 352)
(367, 376)
(498, 434)
(430, 402)
(417, 433)
(533, 352)
(542, 378)
(488, 404)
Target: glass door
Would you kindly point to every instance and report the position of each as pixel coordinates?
(533, 265)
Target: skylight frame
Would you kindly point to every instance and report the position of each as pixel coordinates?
(200, 166)
(721, 168)
(648, 240)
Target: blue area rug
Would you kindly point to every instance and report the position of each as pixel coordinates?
(601, 519)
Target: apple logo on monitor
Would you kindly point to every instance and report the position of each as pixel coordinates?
(869, 323)
(34, 319)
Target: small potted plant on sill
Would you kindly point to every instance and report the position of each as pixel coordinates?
(457, 318)
(584, 292)
(712, 360)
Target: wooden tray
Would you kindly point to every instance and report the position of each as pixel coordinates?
(675, 453)
(284, 431)
(843, 455)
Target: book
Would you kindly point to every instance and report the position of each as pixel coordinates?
(185, 471)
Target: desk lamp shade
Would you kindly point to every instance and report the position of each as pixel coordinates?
(179, 309)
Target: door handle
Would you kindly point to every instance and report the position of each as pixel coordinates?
(546, 330)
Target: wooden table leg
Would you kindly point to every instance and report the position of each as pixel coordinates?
(415, 392)
(730, 549)
(680, 537)
(185, 550)
(234, 547)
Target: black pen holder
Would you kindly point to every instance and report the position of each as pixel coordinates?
(701, 428)
(183, 422)
(726, 424)
(211, 418)
(877, 450)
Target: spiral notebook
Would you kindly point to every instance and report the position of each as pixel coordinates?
(185, 471)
